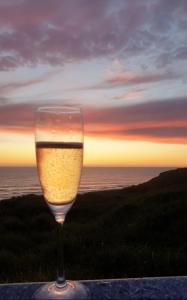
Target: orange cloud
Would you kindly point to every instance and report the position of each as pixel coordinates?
(158, 121)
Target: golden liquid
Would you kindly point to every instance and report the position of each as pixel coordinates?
(59, 167)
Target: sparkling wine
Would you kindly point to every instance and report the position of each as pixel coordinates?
(59, 168)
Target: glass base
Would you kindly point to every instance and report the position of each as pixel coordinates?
(71, 291)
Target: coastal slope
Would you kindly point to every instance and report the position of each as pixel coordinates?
(131, 232)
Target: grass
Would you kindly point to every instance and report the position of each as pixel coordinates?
(132, 232)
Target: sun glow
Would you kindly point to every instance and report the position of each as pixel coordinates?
(19, 149)
(133, 153)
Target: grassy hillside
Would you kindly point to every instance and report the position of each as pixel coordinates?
(132, 232)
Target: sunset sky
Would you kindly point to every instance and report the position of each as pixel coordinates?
(123, 61)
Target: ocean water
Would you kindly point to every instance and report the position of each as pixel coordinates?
(16, 181)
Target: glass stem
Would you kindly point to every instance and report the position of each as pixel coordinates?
(61, 281)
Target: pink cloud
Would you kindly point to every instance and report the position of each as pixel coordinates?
(155, 111)
(15, 85)
(17, 116)
(55, 32)
(123, 79)
(126, 78)
(131, 94)
(24, 13)
(159, 121)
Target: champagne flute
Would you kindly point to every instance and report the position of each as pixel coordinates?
(59, 154)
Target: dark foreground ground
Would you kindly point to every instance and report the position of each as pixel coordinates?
(133, 232)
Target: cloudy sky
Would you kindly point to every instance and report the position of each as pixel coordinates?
(123, 61)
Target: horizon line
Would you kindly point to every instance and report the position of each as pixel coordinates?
(103, 166)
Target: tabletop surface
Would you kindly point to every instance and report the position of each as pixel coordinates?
(170, 288)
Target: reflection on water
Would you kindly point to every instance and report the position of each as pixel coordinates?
(16, 181)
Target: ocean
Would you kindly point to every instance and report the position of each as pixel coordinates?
(16, 181)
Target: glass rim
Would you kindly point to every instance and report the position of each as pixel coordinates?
(58, 109)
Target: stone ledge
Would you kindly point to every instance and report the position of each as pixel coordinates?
(160, 288)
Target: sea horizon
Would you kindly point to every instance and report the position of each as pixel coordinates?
(102, 166)
(22, 180)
